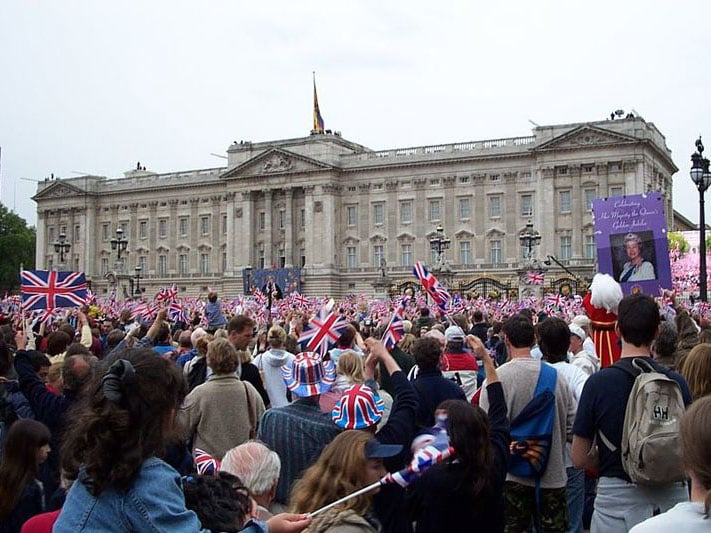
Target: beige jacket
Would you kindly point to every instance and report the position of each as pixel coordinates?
(340, 521)
(221, 413)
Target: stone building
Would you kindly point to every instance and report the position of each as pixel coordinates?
(347, 214)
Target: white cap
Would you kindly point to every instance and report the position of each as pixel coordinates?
(577, 331)
(453, 333)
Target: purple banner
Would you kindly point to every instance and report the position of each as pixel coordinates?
(631, 239)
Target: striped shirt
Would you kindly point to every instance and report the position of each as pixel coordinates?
(297, 432)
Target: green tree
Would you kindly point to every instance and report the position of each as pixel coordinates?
(675, 239)
(17, 247)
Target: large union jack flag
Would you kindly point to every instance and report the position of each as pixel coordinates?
(433, 287)
(322, 331)
(44, 289)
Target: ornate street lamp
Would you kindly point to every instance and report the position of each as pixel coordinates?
(439, 243)
(61, 246)
(529, 239)
(701, 177)
(119, 243)
(137, 277)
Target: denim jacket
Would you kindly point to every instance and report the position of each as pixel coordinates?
(154, 503)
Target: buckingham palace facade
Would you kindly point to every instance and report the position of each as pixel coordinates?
(346, 214)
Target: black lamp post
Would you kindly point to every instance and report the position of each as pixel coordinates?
(119, 243)
(137, 277)
(529, 238)
(439, 243)
(701, 177)
(61, 246)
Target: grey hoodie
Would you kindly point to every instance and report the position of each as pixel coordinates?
(269, 364)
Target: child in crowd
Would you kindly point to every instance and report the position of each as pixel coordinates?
(213, 313)
(21, 492)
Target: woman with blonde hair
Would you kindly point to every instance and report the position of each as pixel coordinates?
(693, 515)
(696, 369)
(353, 460)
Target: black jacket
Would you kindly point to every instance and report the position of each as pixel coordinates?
(437, 501)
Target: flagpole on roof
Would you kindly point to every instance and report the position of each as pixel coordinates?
(318, 119)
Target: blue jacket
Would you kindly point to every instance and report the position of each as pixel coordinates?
(154, 503)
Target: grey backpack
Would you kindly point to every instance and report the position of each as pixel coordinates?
(651, 447)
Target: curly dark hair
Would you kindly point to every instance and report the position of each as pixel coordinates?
(111, 438)
(222, 502)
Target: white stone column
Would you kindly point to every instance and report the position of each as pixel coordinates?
(289, 228)
(230, 237)
(329, 226)
(268, 229)
(312, 255)
(40, 251)
(246, 225)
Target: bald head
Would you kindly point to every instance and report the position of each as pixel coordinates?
(78, 370)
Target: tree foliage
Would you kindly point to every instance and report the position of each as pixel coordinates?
(677, 239)
(17, 247)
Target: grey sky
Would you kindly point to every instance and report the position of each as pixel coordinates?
(93, 86)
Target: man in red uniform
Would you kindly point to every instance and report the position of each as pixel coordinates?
(600, 305)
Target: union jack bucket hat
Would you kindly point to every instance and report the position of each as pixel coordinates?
(308, 375)
(359, 408)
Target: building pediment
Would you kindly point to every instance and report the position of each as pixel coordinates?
(275, 161)
(405, 236)
(58, 189)
(586, 137)
(464, 234)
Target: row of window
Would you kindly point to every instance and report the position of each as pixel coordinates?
(204, 228)
(464, 252)
(52, 236)
(464, 210)
(162, 264)
(281, 219)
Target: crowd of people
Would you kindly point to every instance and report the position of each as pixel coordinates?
(225, 423)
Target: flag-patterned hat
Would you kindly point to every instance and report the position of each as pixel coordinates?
(308, 375)
(359, 408)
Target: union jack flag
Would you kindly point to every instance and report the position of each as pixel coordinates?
(554, 300)
(322, 331)
(433, 287)
(44, 289)
(146, 310)
(422, 460)
(167, 294)
(177, 313)
(205, 464)
(300, 299)
(395, 329)
(534, 278)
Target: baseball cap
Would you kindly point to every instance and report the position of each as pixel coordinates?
(577, 331)
(453, 333)
(374, 449)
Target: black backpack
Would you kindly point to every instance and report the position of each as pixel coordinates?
(198, 373)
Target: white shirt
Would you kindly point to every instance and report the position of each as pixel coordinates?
(684, 517)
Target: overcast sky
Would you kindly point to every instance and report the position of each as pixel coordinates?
(94, 87)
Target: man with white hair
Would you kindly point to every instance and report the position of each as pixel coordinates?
(583, 322)
(258, 467)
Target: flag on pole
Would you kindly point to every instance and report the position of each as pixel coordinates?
(395, 329)
(318, 119)
(534, 278)
(322, 331)
(433, 287)
(45, 289)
